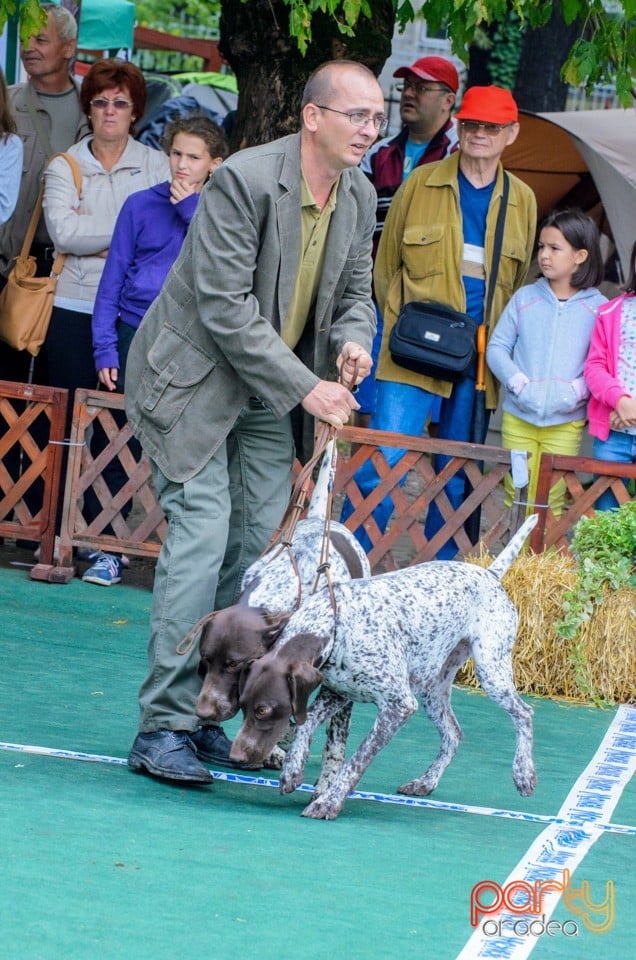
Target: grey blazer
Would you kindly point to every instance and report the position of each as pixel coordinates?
(211, 338)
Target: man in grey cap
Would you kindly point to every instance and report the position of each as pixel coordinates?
(427, 96)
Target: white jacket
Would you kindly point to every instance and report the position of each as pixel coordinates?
(83, 227)
(538, 350)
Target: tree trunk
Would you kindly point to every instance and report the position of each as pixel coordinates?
(478, 74)
(270, 71)
(541, 88)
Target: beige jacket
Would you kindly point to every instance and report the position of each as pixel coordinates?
(33, 163)
(82, 227)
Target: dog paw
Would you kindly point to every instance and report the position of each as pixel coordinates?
(275, 760)
(290, 780)
(417, 788)
(526, 784)
(322, 808)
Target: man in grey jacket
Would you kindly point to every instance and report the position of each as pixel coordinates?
(49, 119)
(273, 284)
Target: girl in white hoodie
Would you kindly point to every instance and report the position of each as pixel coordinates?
(540, 343)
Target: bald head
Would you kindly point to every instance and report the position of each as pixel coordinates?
(324, 82)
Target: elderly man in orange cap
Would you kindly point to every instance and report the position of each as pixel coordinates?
(437, 244)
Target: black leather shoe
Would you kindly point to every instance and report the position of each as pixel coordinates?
(169, 754)
(213, 746)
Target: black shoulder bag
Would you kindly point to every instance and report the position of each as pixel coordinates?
(431, 337)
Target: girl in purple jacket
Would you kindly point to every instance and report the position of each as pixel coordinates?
(148, 236)
(610, 372)
(147, 239)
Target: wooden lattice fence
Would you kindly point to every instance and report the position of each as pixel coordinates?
(585, 480)
(129, 519)
(31, 436)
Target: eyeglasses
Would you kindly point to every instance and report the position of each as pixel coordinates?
(101, 103)
(419, 87)
(473, 126)
(359, 119)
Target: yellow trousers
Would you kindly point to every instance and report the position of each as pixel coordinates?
(563, 438)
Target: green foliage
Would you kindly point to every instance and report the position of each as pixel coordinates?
(198, 18)
(161, 14)
(604, 52)
(345, 14)
(583, 676)
(30, 13)
(506, 50)
(605, 547)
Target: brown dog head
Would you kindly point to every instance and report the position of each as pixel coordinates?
(273, 689)
(231, 639)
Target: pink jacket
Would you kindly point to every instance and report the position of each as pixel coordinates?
(601, 365)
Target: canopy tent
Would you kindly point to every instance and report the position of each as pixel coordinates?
(585, 158)
(106, 24)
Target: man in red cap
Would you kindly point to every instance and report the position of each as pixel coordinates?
(437, 244)
(427, 96)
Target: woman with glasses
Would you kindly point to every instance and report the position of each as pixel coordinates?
(113, 165)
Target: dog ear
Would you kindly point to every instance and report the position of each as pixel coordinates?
(275, 622)
(205, 623)
(302, 679)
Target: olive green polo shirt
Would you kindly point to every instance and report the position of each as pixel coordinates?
(314, 228)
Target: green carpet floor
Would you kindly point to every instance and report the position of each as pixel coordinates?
(100, 862)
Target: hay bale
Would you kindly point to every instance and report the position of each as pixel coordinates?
(604, 650)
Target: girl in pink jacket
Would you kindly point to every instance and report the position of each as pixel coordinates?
(610, 372)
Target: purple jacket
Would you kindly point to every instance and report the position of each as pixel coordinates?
(147, 239)
(601, 367)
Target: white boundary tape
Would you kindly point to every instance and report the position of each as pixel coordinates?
(598, 824)
(566, 841)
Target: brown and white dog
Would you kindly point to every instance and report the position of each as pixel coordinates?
(392, 637)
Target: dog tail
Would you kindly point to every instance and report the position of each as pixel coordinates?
(511, 550)
(324, 483)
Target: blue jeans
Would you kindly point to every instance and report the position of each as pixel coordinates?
(367, 391)
(402, 408)
(620, 447)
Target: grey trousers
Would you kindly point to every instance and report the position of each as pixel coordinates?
(218, 524)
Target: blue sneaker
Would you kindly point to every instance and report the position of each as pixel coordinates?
(106, 570)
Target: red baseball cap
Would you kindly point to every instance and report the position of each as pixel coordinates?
(432, 68)
(489, 105)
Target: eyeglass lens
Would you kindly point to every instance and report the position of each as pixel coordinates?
(357, 119)
(418, 87)
(101, 103)
(360, 119)
(472, 126)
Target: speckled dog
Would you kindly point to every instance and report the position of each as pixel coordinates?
(393, 636)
